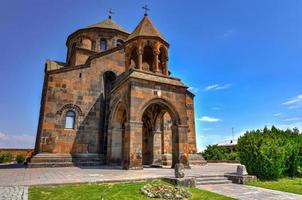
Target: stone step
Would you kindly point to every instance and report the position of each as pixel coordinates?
(213, 182)
(66, 160)
(210, 176)
(211, 179)
(68, 156)
(43, 160)
(63, 164)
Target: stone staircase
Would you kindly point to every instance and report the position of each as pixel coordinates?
(66, 160)
(212, 179)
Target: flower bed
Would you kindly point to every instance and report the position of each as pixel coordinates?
(165, 192)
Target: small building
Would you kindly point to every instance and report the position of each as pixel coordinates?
(230, 145)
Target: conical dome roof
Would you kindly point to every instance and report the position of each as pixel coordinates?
(145, 28)
(108, 24)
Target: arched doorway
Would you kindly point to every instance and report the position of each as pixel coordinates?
(159, 134)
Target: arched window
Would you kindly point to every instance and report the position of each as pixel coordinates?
(119, 42)
(86, 43)
(148, 59)
(70, 119)
(74, 45)
(103, 44)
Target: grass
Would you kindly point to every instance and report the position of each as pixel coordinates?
(293, 185)
(119, 191)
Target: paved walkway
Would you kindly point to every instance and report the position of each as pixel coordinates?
(14, 182)
(245, 192)
(14, 193)
(49, 176)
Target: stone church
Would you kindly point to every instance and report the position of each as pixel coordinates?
(114, 102)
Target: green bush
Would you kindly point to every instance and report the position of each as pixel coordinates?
(233, 156)
(5, 157)
(271, 153)
(20, 158)
(215, 152)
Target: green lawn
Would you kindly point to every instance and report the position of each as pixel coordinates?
(118, 191)
(293, 185)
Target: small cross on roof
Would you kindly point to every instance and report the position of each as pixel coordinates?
(110, 13)
(146, 9)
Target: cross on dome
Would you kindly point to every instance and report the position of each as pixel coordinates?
(110, 13)
(146, 9)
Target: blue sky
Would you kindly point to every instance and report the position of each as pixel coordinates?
(242, 59)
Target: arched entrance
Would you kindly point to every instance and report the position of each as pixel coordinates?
(159, 134)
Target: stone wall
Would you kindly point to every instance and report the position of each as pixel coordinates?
(80, 90)
(191, 123)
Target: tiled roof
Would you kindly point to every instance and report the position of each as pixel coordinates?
(108, 24)
(145, 28)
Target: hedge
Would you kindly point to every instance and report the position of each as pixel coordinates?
(271, 153)
(215, 152)
(20, 158)
(5, 157)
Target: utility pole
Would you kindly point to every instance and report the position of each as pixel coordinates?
(232, 135)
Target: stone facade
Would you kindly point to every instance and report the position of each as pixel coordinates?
(114, 99)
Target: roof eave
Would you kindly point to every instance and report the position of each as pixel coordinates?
(87, 28)
(148, 37)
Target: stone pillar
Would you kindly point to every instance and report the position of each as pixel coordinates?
(166, 72)
(140, 58)
(109, 133)
(156, 65)
(132, 150)
(127, 61)
(180, 145)
(97, 45)
(114, 148)
(157, 148)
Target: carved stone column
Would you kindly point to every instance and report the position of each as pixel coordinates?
(157, 148)
(140, 58)
(127, 61)
(115, 154)
(132, 151)
(166, 70)
(156, 65)
(180, 144)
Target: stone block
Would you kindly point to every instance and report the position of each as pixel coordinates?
(179, 170)
(182, 182)
(241, 170)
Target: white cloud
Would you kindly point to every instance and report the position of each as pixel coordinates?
(211, 87)
(294, 102)
(291, 126)
(217, 87)
(277, 114)
(207, 129)
(227, 33)
(208, 119)
(216, 108)
(16, 141)
(193, 89)
(293, 119)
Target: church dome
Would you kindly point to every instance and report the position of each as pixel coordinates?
(108, 24)
(94, 38)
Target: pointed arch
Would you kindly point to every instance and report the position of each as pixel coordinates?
(148, 58)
